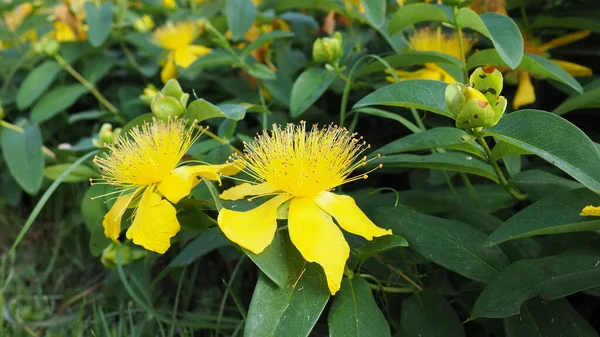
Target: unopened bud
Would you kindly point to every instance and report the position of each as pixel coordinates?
(489, 81)
(165, 107)
(149, 93)
(49, 47)
(106, 135)
(471, 108)
(110, 255)
(143, 24)
(328, 49)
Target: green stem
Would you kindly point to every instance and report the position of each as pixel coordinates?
(86, 84)
(525, 18)
(516, 194)
(461, 45)
(11, 126)
(380, 287)
(471, 190)
(418, 119)
(264, 105)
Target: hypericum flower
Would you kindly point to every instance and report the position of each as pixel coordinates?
(68, 22)
(301, 167)
(13, 20)
(145, 166)
(525, 91)
(427, 39)
(178, 38)
(590, 211)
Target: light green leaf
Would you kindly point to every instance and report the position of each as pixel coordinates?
(540, 184)
(56, 101)
(415, 13)
(380, 245)
(240, 15)
(277, 260)
(427, 314)
(450, 161)
(201, 110)
(453, 245)
(534, 64)
(309, 86)
(589, 98)
(553, 277)
(23, 155)
(261, 71)
(79, 173)
(500, 29)
(375, 11)
(355, 313)
(93, 210)
(556, 214)
(407, 59)
(553, 139)
(36, 83)
(98, 20)
(200, 246)
(420, 94)
(440, 138)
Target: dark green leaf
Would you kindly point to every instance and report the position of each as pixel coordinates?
(380, 245)
(375, 11)
(503, 149)
(540, 184)
(277, 260)
(240, 15)
(200, 246)
(441, 138)
(407, 59)
(558, 213)
(500, 29)
(389, 115)
(420, 94)
(93, 210)
(79, 173)
(261, 71)
(56, 101)
(550, 277)
(98, 20)
(555, 140)
(36, 83)
(95, 68)
(264, 39)
(427, 314)
(216, 58)
(201, 110)
(309, 86)
(354, 312)
(589, 98)
(414, 13)
(453, 245)
(139, 120)
(23, 155)
(566, 22)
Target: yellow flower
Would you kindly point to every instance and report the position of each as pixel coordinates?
(525, 91)
(488, 6)
(178, 38)
(145, 167)
(68, 22)
(169, 3)
(590, 211)
(426, 39)
(301, 167)
(14, 19)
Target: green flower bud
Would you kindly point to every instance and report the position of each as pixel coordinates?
(110, 255)
(471, 109)
(455, 98)
(149, 93)
(489, 81)
(143, 24)
(165, 107)
(328, 49)
(106, 135)
(172, 89)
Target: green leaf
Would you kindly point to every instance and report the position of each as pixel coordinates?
(200, 246)
(420, 94)
(375, 11)
(503, 149)
(293, 308)
(201, 110)
(407, 59)
(98, 20)
(534, 64)
(558, 213)
(95, 68)
(277, 260)
(587, 99)
(427, 314)
(453, 245)
(440, 138)
(261, 71)
(79, 173)
(566, 22)
(540, 184)
(36, 83)
(216, 58)
(389, 115)
(309, 86)
(548, 319)
(553, 139)
(415, 13)
(500, 29)
(93, 210)
(23, 155)
(264, 39)
(451, 161)
(380, 245)
(139, 120)
(56, 101)
(355, 313)
(551, 277)
(240, 15)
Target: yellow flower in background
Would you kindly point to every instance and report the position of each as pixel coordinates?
(68, 20)
(145, 166)
(169, 3)
(525, 91)
(427, 39)
(590, 211)
(488, 6)
(178, 38)
(13, 20)
(301, 167)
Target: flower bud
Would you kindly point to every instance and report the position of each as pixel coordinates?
(143, 24)
(172, 89)
(149, 93)
(110, 255)
(49, 47)
(471, 108)
(164, 107)
(489, 81)
(328, 49)
(106, 135)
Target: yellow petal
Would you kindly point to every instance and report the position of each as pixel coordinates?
(590, 211)
(525, 92)
(64, 33)
(563, 40)
(155, 223)
(181, 180)
(318, 239)
(573, 68)
(430, 72)
(169, 70)
(246, 189)
(253, 229)
(349, 216)
(187, 55)
(112, 219)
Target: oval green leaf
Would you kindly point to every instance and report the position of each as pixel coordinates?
(380, 245)
(414, 13)
(36, 83)
(23, 155)
(200, 246)
(428, 314)
(98, 20)
(240, 16)
(56, 101)
(540, 184)
(202, 109)
(77, 174)
(374, 11)
(589, 98)
(309, 86)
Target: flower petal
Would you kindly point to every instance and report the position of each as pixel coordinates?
(318, 239)
(590, 211)
(246, 189)
(253, 229)
(169, 70)
(525, 91)
(185, 56)
(349, 216)
(112, 219)
(563, 40)
(573, 68)
(155, 223)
